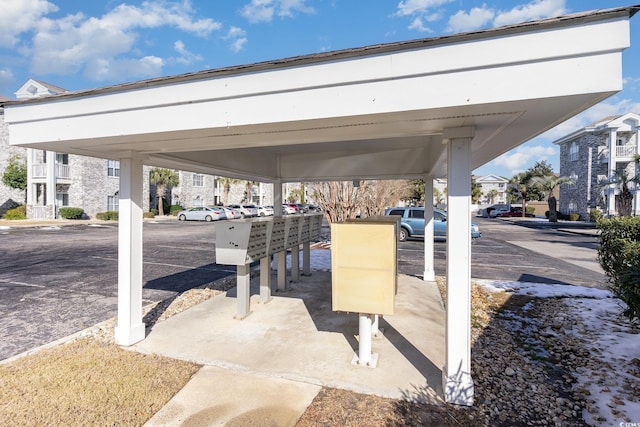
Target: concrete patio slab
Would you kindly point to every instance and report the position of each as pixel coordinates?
(297, 338)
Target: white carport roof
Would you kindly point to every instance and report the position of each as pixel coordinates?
(425, 108)
(373, 112)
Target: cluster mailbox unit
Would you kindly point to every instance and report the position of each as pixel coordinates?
(242, 242)
(364, 274)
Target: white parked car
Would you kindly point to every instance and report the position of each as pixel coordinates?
(230, 213)
(245, 211)
(265, 210)
(201, 213)
(288, 210)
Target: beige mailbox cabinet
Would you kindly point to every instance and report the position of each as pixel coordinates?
(364, 265)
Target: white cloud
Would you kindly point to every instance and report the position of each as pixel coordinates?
(104, 46)
(519, 159)
(110, 69)
(265, 10)
(476, 18)
(20, 16)
(417, 24)
(185, 57)
(412, 7)
(537, 9)
(237, 38)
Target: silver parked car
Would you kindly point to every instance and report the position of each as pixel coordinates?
(201, 213)
(245, 211)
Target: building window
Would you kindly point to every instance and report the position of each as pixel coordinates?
(62, 199)
(573, 151)
(113, 203)
(573, 207)
(113, 167)
(501, 185)
(198, 180)
(574, 181)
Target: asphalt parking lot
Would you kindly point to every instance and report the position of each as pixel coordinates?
(55, 281)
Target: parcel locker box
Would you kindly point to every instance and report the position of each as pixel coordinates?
(364, 265)
(242, 241)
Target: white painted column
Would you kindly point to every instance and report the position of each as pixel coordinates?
(611, 199)
(457, 381)
(281, 257)
(130, 328)
(31, 188)
(429, 272)
(636, 196)
(295, 263)
(51, 184)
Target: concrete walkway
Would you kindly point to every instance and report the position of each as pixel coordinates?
(271, 365)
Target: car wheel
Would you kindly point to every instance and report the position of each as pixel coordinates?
(402, 236)
(208, 218)
(261, 213)
(182, 218)
(242, 215)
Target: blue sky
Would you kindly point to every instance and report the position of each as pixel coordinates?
(86, 44)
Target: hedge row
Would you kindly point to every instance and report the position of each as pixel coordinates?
(71, 213)
(19, 212)
(619, 256)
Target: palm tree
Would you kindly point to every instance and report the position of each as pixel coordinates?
(163, 178)
(247, 191)
(621, 180)
(547, 184)
(520, 187)
(492, 194)
(226, 186)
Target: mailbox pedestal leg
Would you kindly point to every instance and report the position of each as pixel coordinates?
(364, 356)
(295, 263)
(243, 291)
(282, 270)
(376, 331)
(306, 259)
(265, 280)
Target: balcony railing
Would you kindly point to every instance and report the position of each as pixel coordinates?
(625, 150)
(62, 171)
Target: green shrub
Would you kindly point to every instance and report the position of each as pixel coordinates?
(619, 256)
(71, 213)
(16, 213)
(154, 211)
(595, 215)
(573, 217)
(149, 214)
(174, 209)
(530, 210)
(107, 216)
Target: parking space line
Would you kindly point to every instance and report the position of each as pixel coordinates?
(29, 285)
(190, 248)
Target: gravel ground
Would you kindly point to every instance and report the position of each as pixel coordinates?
(526, 358)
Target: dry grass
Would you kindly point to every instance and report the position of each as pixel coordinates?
(93, 382)
(88, 383)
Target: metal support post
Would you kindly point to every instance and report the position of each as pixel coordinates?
(295, 263)
(243, 291)
(306, 259)
(364, 356)
(265, 280)
(282, 271)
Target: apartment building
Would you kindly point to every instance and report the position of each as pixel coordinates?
(595, 155)
(55, 180)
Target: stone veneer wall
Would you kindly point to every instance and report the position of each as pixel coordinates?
(587, 167)
(9, 197)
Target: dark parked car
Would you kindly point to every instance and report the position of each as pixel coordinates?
(515, 212)
(412, 223)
